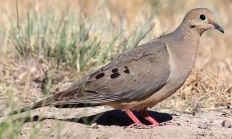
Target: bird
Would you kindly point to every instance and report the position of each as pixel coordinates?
(143, 76)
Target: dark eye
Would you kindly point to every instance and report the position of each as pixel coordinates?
(202, 17)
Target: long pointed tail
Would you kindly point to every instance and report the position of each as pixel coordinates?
(53, 101)
(42, 103)
(50, 101)
(65, 99)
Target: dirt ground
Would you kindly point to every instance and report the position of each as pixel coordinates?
(73, 123)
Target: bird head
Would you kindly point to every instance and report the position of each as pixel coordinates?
(200, 20)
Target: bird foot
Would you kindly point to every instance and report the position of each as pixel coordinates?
(138, 126)
(143, 126)
(168, 124)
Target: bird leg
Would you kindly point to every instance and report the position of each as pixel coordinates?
(148, 117)
(152, 120)
(136, 121)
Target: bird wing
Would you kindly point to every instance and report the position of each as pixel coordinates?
(137, 73)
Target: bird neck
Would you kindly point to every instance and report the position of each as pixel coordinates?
(183, 44)
(188, 38)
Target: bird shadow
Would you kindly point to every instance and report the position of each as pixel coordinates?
(108, 118)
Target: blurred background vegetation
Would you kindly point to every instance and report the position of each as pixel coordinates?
(46, 45)
(84, 33)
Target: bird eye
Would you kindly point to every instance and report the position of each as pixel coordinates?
(202, 17)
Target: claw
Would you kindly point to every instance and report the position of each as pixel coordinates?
(139, 126)
(168, 124)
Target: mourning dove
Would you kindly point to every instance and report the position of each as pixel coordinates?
(144, 76)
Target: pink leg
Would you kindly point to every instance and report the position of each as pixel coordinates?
(152, 120)
(135, 120)
(149, 118)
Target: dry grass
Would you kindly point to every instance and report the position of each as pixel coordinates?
(113, 24)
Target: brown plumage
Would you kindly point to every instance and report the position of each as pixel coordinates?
(143, 76)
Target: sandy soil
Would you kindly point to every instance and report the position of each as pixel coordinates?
(73, 123)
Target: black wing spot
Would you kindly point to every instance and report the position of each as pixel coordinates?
(100, 75)
(114, 75)
(115, 70)
(127, 70)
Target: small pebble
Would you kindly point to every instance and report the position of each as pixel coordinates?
(94, 126)
(227, 123)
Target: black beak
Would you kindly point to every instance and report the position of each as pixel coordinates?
(216, 26)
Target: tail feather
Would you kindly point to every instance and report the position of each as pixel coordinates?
(39, 104)
(51, 102)
(60, 100)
